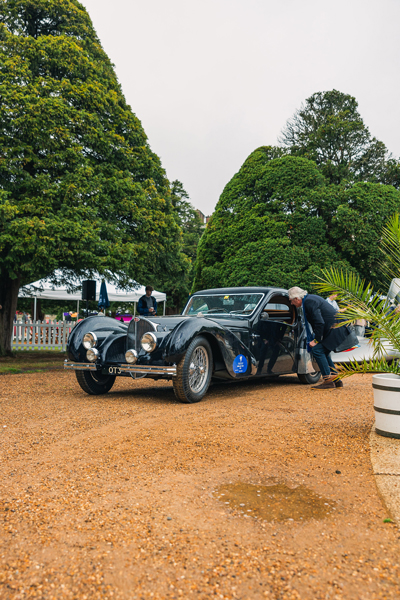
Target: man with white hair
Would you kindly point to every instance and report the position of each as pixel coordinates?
(326, 337)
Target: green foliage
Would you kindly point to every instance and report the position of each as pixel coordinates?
(329, 130)
(390, 247)
(80, 189)
(187, 218)
(360, 301)
(355, 228)
(177, 282)
(292, 214)
(272, 226)
(279, 222)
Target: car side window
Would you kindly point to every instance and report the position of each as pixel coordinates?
(278, 308)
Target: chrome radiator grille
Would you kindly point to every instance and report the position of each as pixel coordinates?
(138, 326)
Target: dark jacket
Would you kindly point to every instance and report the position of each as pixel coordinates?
(142, 305)
(323, 317)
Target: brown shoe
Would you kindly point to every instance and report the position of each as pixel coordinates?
(338, 382)
(327, 384)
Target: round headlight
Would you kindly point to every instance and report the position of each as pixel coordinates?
(131, 356)
(148, 341)
(89, 340)
(92, 354)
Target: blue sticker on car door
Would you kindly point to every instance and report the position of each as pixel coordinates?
(240, 364)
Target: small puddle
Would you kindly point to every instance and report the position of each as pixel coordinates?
(274, 502)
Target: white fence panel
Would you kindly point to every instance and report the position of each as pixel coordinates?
(39, 335)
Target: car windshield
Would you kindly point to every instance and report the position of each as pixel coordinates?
(232, 304)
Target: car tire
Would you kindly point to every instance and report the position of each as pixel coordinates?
(193, 372)
(309, 378)
(95, 383)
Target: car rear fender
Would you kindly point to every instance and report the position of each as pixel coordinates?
(224, 343)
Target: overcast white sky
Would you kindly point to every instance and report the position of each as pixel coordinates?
(211, 80)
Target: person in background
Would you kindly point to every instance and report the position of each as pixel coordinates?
(147, 304)
(332, 301)
(322, 318)
(359, 327)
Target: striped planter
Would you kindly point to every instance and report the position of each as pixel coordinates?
(387, 404)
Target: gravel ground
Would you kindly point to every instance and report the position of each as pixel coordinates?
(120, 496)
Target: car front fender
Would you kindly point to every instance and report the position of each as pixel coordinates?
(238, 359)
(103, 327)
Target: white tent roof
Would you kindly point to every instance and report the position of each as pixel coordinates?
(45, 290)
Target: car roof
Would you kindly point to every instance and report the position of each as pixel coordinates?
(239, 290)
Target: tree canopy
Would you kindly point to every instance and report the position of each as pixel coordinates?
(319, 200)
(329, 130)
(279, 222)
(80, 188)
(178, 280)
(359, 300)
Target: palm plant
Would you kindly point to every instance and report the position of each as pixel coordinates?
(359, 301)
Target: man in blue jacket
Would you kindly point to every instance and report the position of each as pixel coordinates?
(327, 336)
(147, 304)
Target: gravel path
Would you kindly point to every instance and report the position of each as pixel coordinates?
(120, 496)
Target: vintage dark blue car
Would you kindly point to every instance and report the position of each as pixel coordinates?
(222, 334)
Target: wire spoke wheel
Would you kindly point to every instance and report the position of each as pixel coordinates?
(194, 370)
(198, 369)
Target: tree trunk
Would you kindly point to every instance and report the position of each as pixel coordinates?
(8, 300)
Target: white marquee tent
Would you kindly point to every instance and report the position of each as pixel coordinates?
(44, 290)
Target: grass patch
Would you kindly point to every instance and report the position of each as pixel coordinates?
(28, 361)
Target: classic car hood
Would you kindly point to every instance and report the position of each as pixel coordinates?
(170, 322)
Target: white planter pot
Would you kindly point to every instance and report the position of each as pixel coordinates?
(387, 404)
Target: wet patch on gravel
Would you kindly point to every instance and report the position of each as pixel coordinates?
(274, 503)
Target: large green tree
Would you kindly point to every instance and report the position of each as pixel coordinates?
(279, 222)
(177, 282)
(329, 130)
(359, 300)
(80, 189)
